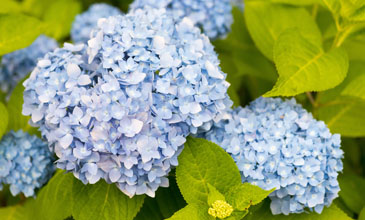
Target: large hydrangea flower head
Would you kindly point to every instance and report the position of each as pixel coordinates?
(101, 108)
(278, 144)
(16, 65)
(213, 16)
(25, 163)
(85, 22)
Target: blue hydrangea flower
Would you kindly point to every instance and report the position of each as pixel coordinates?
(121, 108)
(16, 65)
(25, 163)
(85, 22)
(213, 16)
(278, 144)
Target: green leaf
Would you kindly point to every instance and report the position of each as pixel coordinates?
(17, 121)
(243, 196)
(55, 200)
(192, 212)
(352, 192)
(267, 21)
(18, 212)
(4, 119)
(355, 81)
(331, 213)
(304, 66)
(297, 2)
(103, 201)
(59, 17)
(166, 202)
(333, 5)
(9, 6)
(214, 195)
(362, 214)
(344, 114)
(36, 7)
(353, 10)
(17, 31)
(203, 162)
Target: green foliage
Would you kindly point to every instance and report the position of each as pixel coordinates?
(342, 107)
(103, 201)
(164, 205)
(244, 195)
(203, 162)
(64, 196)
(265, 25)
(352, 192)
(8, 6)
(17, 120)
(304, 66)
(331, 213)
(4, 118)
(18, 31)
(59, 17)
(206, 174)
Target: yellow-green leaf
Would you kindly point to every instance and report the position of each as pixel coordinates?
(304, 66)
(18, 31)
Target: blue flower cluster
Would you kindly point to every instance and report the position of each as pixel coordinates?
(16, 65)
(213, 16)
(278, 144)
(25, 163)
(120, 108)
(85, 22)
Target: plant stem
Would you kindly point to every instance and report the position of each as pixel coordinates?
(314, 11)
(311, 99)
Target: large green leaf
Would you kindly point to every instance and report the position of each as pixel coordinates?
(4, 118)
(18, 31)
(55, 200)
(304, 66)
(203, 162)
(9, 6)
(242, 196)
(103, 201)
(267, 21)
(352, 192)
(331, 213)
(59, 17)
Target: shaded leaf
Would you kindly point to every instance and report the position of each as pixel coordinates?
(352, 192)
(192, 212)
(4, 118)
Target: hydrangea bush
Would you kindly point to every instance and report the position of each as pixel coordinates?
(182, 109)
(25, 163)
(277, 144)
(121, 108)
(15, 66)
